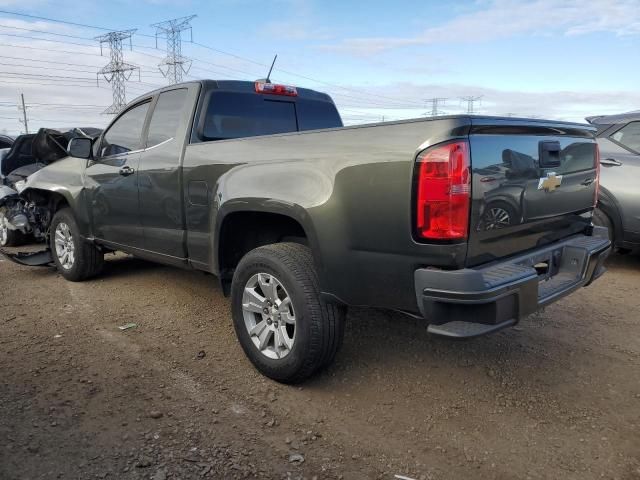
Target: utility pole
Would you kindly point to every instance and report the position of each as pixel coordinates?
(24, 115)
(435, 106)
(174, 64)
(117, 71)
(471, 100)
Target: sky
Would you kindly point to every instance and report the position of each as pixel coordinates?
(379, 60)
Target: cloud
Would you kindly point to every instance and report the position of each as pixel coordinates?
(296, 30)
(298, 23)
(554, 105)
(498, 19)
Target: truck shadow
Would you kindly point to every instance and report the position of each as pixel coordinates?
(627, 261)
(382, 346)
(122, 265)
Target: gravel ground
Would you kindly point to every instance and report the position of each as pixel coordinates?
(174, 398)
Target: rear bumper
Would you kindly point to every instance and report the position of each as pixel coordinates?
(476, 301)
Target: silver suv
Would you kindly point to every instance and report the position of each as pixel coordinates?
(619, 202)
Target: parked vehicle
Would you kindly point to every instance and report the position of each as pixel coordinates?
(619, 202)
(28, 154)
(5, 141)
(232, 178)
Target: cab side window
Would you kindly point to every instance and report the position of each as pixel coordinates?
(168, 113)
(126, 133)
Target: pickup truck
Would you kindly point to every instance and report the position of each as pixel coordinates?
(470, 222)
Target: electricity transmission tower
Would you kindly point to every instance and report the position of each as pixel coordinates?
(174, 64)
(117, 71)
(471, 102)
(435, 106)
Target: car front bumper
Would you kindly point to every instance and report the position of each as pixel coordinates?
(475, 301)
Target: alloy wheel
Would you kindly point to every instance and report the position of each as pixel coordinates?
(4, 229)
(269, 315)
(65, 249)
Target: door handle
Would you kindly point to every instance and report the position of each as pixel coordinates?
(126, 171)
(588, 182)
(610, 162)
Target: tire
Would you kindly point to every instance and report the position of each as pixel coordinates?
(601, 219)
(319, 326)
(86, 259)
(10, 238)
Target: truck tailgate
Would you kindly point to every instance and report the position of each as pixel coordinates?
(533, 183)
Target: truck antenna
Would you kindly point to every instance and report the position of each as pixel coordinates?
(272, 64)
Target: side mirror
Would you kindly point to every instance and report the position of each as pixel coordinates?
(80, 147)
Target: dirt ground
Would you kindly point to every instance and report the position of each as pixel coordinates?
(557, 397)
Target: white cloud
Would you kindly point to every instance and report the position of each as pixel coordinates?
(298, 22)
(497, 19)
(555, 105)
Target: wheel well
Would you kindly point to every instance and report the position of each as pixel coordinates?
(241, 232)
(609, 208)
(54, 201)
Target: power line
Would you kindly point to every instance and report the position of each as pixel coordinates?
(36, 104)
(65, 69)
(36, 17)
(359, 93)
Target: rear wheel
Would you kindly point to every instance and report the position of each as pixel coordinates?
(75, 259)
(284, 327)
(8, 237)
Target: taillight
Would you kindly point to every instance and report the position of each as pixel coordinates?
(443, 192)
(274, 89)
(595, 200)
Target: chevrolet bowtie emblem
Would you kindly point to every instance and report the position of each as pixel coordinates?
(550, 182)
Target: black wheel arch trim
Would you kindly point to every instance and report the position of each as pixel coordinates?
(609, 205)
(266, 205)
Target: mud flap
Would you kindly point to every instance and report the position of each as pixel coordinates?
(31, 259)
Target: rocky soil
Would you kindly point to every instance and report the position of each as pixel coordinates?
(558, 396)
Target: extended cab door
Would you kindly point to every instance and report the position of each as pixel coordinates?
(159, 174)
(111, 180)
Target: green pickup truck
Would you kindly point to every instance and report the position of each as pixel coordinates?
(470, 222)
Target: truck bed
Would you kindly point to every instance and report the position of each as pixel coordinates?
(354, 188)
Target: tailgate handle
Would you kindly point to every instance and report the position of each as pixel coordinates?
(549, 153)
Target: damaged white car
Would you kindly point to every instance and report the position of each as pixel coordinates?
(25, 213)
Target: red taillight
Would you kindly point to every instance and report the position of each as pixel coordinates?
(443, 192)
(595, 201)
(274, 89)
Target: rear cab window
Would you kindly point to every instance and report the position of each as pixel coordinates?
(238, 114)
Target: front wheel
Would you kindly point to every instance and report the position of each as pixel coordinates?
(75, 259)
(284, 327)
(9, 237)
